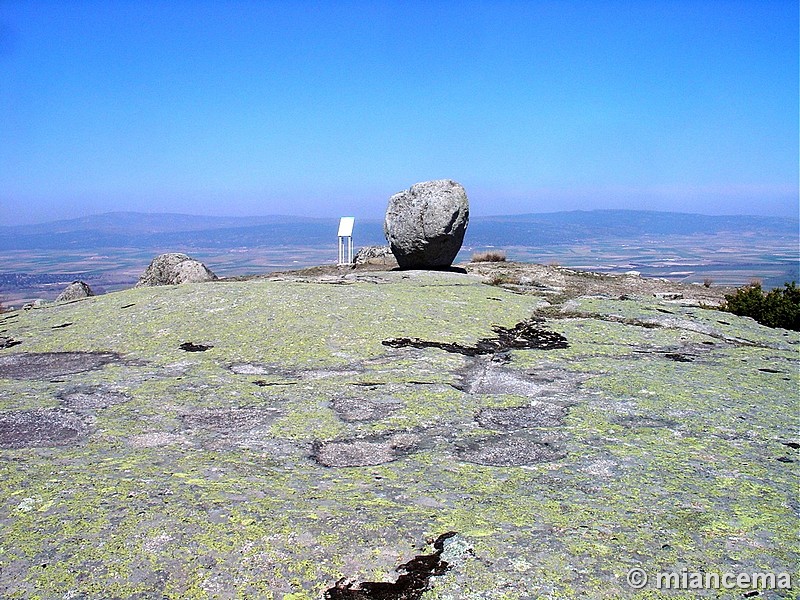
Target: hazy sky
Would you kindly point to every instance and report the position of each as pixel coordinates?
(327, 108)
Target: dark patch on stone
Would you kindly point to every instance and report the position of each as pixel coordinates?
(48, 365)
(792, 445)
(366, 451)
(414, 580)
(40, 427)
(62, 326)
(192, 347)
(7, 342)
(785, 459)
(751, 594)
(128, 305)
(543, 414)
(664, 310)
(766, 370)
(678, 357)
(9, 317)
(508, 450)
(723, 322)
(263, 383)
(230, 420)
(369, 384)
(359, 409)
(525, 335)
(91, 397)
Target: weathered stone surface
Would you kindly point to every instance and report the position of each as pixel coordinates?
(301, 451)
(39, 427)
(89, 397)
(44, 365)
(75, 291)
(174, 268)
(425, 224)
(372, 254)
(364, 452)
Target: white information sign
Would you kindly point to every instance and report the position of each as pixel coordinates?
(346, 226)
(346, 240)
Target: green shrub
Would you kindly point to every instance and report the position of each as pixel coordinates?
(777, 308)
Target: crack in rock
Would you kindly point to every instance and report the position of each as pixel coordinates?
(8, 342)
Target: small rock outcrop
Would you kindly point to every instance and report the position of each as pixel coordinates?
(75, 291)
(371, 254)
(173, 269)
(425, 224)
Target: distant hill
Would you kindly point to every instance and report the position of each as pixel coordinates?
(144, 230)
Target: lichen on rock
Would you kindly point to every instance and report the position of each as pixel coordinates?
(299, 450)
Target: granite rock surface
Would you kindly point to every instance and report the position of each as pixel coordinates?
(297, 456)
(425, 224)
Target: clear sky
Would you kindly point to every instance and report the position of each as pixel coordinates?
(328, 108)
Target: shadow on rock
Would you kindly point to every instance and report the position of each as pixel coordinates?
(414, 580)
(526, 335)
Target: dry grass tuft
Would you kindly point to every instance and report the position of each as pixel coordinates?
(489, 256)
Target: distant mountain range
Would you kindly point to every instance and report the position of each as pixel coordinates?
(144, 230)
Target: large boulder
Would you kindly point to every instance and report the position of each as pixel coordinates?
(425, 224)
(173, 269)
(75, 291)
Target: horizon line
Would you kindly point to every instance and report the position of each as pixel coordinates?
(377, 219)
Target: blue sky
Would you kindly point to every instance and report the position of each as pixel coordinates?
(328, 108)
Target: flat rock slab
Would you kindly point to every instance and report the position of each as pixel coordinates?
(538, 414)
(301, 456)
(365, 451)
(90, 397)
(40, 427)
(47, 365)
(509, 450)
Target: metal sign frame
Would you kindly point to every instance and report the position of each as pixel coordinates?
(346, 240)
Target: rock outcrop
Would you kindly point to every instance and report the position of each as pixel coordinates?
(552, 430)
(372, 254)
(425, 224)
(174, 268)
(75, 291)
